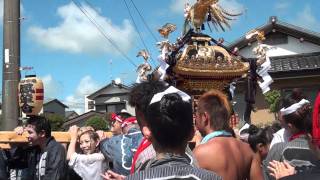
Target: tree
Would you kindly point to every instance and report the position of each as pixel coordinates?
(98, 123)
(273, 99)
(56, 121)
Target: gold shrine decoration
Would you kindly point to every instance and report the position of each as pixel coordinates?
(209, 61)
(202, 66)
(203, 85)
(7, 137)
(200, 12)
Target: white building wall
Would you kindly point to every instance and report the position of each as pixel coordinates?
(293, 47)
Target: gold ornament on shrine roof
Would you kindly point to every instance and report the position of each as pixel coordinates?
(200, 59)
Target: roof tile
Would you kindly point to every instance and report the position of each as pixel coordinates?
(295, 62)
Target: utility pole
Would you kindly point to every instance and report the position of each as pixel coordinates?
(11, 63)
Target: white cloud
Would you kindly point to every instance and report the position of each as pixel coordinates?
(281, 6)
(307, 19)
(52, 88)
(76, 34)
(76, 101)
(177, 6)
(233, 6)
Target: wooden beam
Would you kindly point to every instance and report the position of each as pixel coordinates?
(5, 146)
(8, 137)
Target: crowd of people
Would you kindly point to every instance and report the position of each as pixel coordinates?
(154, 144)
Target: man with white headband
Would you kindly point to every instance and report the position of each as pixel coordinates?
(284, 134)
(296, 114)
(140, 98)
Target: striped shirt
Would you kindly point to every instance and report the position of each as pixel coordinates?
(149, 153)
(173, 167)
(296, 152)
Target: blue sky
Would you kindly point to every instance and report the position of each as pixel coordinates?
(73, 58)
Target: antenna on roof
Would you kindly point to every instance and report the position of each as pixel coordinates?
(117, 81)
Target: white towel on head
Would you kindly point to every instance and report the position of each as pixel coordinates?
(157, 97)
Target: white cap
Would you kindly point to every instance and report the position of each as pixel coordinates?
(124, 111)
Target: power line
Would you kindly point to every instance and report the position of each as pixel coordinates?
(136, 27)
(102, 31)
(86, 13)
(144, 22)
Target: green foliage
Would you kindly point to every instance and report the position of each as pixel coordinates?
(273, 98)
(97, 122)
(56, 121)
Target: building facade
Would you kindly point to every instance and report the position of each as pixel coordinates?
(295, 61)
(111, 98)
(54, 107)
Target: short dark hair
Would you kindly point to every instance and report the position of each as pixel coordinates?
(216, 104)
(170, 121)
(141, 94)
(259, 135)
(41, 124)
(276, 126)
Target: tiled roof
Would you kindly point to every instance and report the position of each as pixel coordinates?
(299, 62)
(282, 27)
(83, 116)
(98, 92)
(69, 113)
(54, 100)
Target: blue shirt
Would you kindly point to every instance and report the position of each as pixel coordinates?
(120, 150)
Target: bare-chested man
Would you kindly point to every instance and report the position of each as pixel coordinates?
(219, 151)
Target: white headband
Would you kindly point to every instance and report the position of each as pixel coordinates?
(293, 107)
(157, 97)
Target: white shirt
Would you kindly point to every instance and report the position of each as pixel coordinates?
(282, 135)
(88, 166)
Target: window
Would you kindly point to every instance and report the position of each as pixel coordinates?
(90, 105)
(115, 107)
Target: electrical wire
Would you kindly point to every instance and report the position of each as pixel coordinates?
(136, 27)
(102, 31)
(144, 22)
